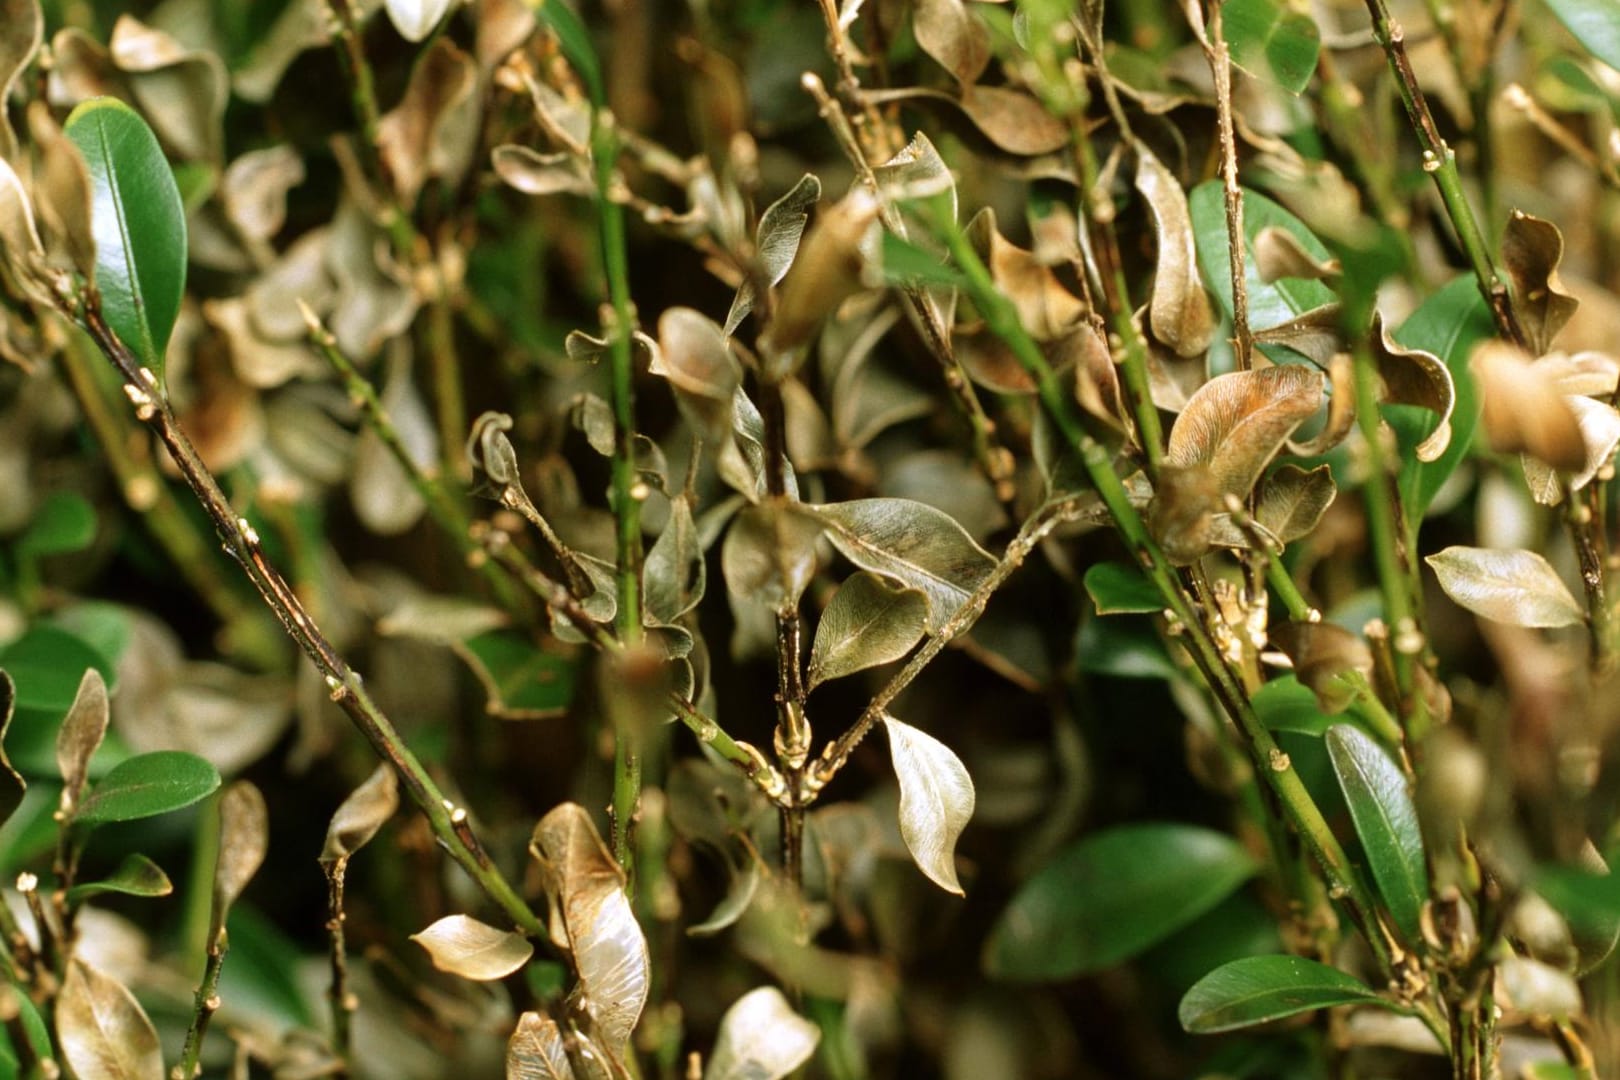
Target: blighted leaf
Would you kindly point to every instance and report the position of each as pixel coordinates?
(912, 543)
(521, 680)
(534, 173)
(1415, 377)
(415, 19)
(136, 876)
(1237, 422)
(1255, 989)
(780, 229)
(182, 92)
(1531, 988)
(1531, 251)
(64, 192)
(244, 840)
(12, 785)
(1179, 311)
(598, 926)
(1045, 307)
(102, 1029)
(19, 237)
(1119, 589)
(537, 1050)
(1272, 41)
(254, 189)
(1278, 253)
(365, 811)
(1183, 516)
(826, 272)
(1013, 120)
(384, 496)
(147, 785)
(936, 800)
(1386, 820)
(761, 1038)
(694, 356)
(1293, 500)
(81, 733)
(1447, 325)
(433, 131)
(674, 572)
(139, 225)
(741, 885)
(1329, 659)
(1516, 587)
(1270, 303)
(868, 622)
(917, 172)
(769, 555)
(22, 29)
(1110, 895)
(1600, 433)
(461, 945)
(948, 31)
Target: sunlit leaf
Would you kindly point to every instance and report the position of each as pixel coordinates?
(415, 19)
(1531, 251)
(1179, 311)
(461, 945)
(102, 1029)
(912, 543)
(1523, 410)
(139, 225)
(1516, 587)
(761, 1038)
(147, 785)
(1112, 894)
(1256, 989)
(136, 876)
(82, 731)
(1272, 41)
(534, 173)
(1386, 820)
(948, 31)
(867, 622)
(537, 1050)
(936, 800)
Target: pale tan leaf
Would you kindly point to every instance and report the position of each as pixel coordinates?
(1327, 658)
(534, 173)
(182, 92)
(769, 555)
(1293, 500)
(1588, 373)
(867, 623)
(1236, 422)
(781, 228)
(433, 131)
(1531, 251)
(62, 193)
(255, 189)
(19, 238)
(385, 498)
(461, 945)
(949, 32)
(537, 1050)
(80, 734)
(936, 800)
(1516, 587)
(1179, 311)
(415, 19)
(244, 839)
(912, 543)
(1013, 120)
(916, 172)
(694, 356)
(1522, 410)
(1045, 307)
(103, 1031)
(761, 1038)
(1600, 432)
(22, 29)
(1279, 254)
(1415, 377)
(365, 811)
(1532, 988)
(825, 273)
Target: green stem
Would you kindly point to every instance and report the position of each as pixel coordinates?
(450, 403)
(205, 1005)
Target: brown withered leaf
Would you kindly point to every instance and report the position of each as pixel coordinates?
(365, 811)
(1013, 120)
(79, 736)
(255, 189)
(534, 173)
(867, 622)
(594, 921)
(383, 495)
(244, 839)
(1046, 309)
(537, 1050)
(1600, 433)
(19, 237)
(770, 554)
(181, 91)
(461, 945)
(1326, 659)
(502, 26)
(1589, 373)
(990, 361)
(257, 361)
(1341, 415)
(80, 69)
(102, 1029)
(374, 299)
(826, 272)
(1522, 410)
(22, 29)
(1182, 515)
(433, 130)
(949, 32)
(1516, 587)
(62, 193)
(1236, 422)
(1179, 311)
(1293, 500)
(781, 227)
(1531, 251)
(1279, 254)
(1316, 333)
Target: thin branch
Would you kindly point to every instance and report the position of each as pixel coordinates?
(1219, 57)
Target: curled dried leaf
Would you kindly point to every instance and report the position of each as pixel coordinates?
(761, 1038)
(936, 800)
(1279, 254)
(1187, 501)
(1600, 433)
(244, 839)
(867, 623)
(781, 228)
(1522, 409)
(1046, 309)
(1531, 251)
(1236, 422)
(19, 238)
(433, 131)
(1588, 373)
(102, 1029)
(365, 811)
(255, 189)
(1292, 501)
(80, 735)
(534, 173)
(461, 945)
(1013, 120)
(537, 1050)
(22, 29)
(1331, 661)
(1516, 587)
(63, 193)
(1179, 311)
(826, 272)
(949, 32)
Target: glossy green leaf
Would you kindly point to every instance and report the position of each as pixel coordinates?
(139, 225)
(1272, 41)
(1595, 24)
(64, 523)
(1386, 820)
(1284, 704)
(1106, 898)
(1126, 648)
(1590, 905)
(1447, 324)
(1269, 303)
(904, 263)
(520, 680)
(12, 785)
(1261, 988)
(136, 876)
(147, 785)
(1118, 589)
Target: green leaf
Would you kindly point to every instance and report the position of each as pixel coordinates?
(576, 44)
(136, 876)
(147, 785)
(1595, 24)
(1590, 905)
(139, 225)
(1386, 820)
(1111, 895)
(1261, 988)
(1272, 41)
(64, 523)
(12, 786)
(1270, 304)
(1119, 589)
(904, 263)
(1284, 704)
(521, 681)
(1447, 324)
(47, 663)
(1125, 648)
